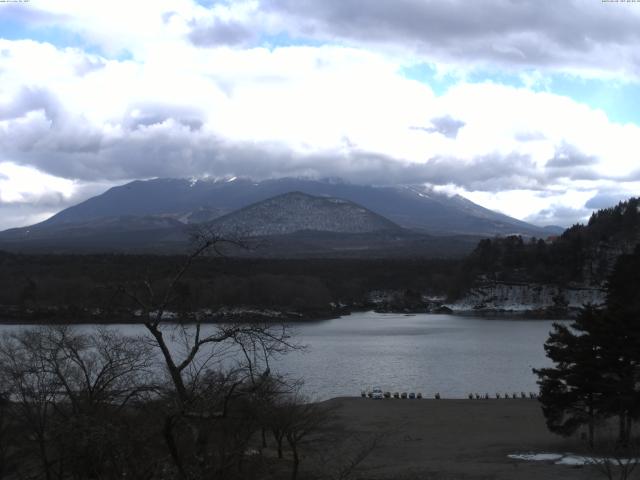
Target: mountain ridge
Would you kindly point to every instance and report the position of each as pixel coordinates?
(197, 201)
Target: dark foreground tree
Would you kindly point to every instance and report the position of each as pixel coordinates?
(597, 361)
(571, 392)
(217, 372)
(71, 399)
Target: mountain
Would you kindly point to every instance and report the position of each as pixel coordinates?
(296, 211)
(359, 220)
(195, 201)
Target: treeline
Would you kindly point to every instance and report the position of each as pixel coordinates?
(583, 253)
(70, 285)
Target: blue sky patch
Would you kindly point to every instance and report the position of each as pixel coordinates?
(427, 73)
(12, 29)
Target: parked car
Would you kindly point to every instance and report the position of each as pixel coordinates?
(377, 393)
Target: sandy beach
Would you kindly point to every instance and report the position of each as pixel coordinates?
(456, 439)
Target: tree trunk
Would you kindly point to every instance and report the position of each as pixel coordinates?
(296, 462)
(45, 460)
(623, 433)
(264, 437)
(279, 439)
(167, 431)
(592, 422)
(175, 374)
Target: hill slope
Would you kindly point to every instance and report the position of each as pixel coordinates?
(295, 211)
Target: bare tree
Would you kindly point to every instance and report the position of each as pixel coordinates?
(343, 457)
(67, 393)
(33, 390)
(293, 418)
(209, 367)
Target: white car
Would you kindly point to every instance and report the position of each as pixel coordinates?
(377, 394)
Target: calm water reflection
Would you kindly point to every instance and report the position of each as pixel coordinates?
(453, 355)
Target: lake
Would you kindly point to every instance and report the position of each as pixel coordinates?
(450, 354)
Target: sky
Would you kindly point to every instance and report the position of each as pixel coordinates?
(527, 107)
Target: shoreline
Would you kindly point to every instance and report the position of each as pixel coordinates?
(39, 318)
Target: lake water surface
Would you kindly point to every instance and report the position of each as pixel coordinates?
(453, 355)
(449, 354)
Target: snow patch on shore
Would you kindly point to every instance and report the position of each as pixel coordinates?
(520, 297)
(570, 459)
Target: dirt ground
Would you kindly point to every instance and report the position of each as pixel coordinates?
(455, 439)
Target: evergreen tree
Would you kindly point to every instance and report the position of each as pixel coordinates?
(571, 392)
(623, 348)
(597, 360)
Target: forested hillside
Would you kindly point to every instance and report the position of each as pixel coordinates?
(583, 254)
(81, 288)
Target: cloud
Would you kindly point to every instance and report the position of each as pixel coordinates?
(149, 114)
(560, 215)
(235, 108)
(520, 33)
(29, 100)
(16, 12)
(605, 200)
(529, 136)
(218, 32)
(328, 111)
(446, 125)
(29, 196)
(568, 156)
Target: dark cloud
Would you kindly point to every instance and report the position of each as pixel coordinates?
(522, 32)
(446, 125)
(605, 200)
(568, 156)
(164, 140)
(29, 100)
(559, 215)
(634, 176)
(158, 142)
(215, 32)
